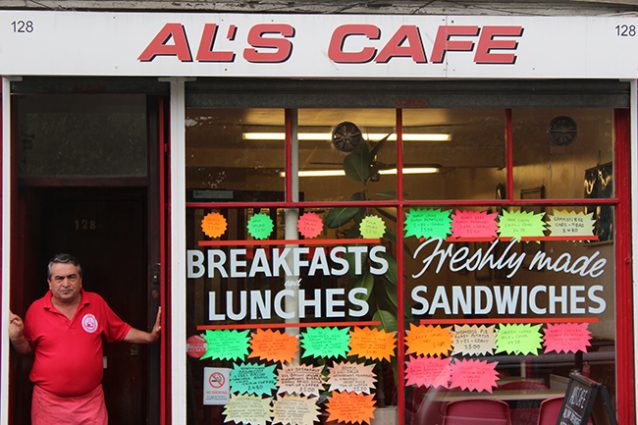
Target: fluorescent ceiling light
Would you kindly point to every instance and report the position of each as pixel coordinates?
(411, 170)
(407, 137)
(317, 173)
(336, 173)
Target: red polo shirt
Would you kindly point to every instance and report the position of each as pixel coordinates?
(68, 353)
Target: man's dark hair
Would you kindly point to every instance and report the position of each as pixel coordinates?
(63, 259)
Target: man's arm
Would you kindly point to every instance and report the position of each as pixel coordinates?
(16, 334)
(138, 336)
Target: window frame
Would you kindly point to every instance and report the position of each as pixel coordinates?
(621, 201)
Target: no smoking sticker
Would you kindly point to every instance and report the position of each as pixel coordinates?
(216, 388)
(216, 380)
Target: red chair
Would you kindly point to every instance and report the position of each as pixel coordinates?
(522, 385)
(523, 412)
(550, 410)
(477, 412)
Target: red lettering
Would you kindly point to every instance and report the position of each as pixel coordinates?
(336, 49)
(395, 47)
(283, 47)
(487, 43)
(160, 47)
(232, 31)
(205, 52)
(443, 44)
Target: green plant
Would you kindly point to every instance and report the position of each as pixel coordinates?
(361, 165)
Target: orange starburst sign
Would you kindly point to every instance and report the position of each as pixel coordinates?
(429, 340)
(214, 225)
(351, 408)
(373, 344)
(276, 346)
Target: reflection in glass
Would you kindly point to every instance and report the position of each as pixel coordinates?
(506, 306)
(554, 147)
(316, 268)
(338, 277)
(468, 153)
(82, 135)
(226, 162)
(353, 150)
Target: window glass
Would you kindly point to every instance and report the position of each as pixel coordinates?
(500, 300)
(557, 148)
(453, 153)
(296, 308)
(355, 147)
(229, 159)
(64, 136)
(505, 318)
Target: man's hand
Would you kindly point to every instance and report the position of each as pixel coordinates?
(16, 326)
(137, 336)
(16, 334)
(157, 327)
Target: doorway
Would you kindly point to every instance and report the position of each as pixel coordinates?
(87, 182)
(106, 229)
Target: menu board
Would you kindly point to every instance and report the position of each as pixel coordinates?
(582, 397)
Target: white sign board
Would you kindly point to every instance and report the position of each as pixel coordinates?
(316, 46)
(216, 385)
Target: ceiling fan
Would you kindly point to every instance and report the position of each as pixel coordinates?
(347, 137)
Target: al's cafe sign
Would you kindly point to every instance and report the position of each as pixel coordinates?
(316, 46)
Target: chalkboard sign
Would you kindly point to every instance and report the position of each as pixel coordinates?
(582, 397)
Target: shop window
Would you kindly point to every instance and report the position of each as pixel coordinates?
(297, 308)
(64, 136)
(506, 318)
(453, 153)
(347, 154)
(471, 292)
(553, 148)
(234, 154)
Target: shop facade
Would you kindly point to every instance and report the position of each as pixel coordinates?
(346, 219)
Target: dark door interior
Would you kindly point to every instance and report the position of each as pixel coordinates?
(106, 228)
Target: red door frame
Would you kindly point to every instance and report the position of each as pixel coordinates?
(625, 394)
(164, 184)
(165, 258)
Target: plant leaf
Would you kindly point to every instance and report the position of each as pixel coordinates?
(387, 195)
(351, 258)
(391, 274)
(359, 196)
(387, 319)
(407, 311)
(337, 217)
(367, 282)
(378, 145)
(386, 214)
(390, 195)
(353, 231)
(357, 164)
(390, 236)
(391, 293)
(395, 369)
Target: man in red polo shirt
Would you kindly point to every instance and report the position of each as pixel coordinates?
(64, 329)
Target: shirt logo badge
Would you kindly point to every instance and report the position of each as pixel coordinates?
(89, 323)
